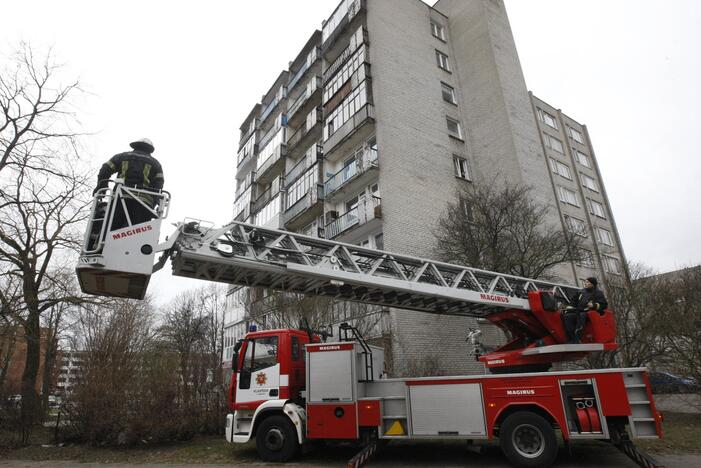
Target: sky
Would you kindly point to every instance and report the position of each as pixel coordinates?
(186, 74)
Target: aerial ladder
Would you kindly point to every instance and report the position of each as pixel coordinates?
(118, 261)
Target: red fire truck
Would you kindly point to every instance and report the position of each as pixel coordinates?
(289, 387)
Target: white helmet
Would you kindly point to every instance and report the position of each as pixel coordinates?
(143, 143)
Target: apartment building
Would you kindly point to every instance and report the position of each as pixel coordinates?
(381, 117)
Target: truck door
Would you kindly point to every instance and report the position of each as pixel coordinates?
(259, 376)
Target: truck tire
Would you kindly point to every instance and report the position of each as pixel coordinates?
(276, 439)
(528, 440)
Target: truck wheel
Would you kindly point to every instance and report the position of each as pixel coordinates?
(276, 439)
(528, 440)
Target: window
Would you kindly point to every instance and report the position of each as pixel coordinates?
(597, 209)
(611, 265)
(461, 169)
(547, 119)
(604, 236)
(448, 94)
(380, 241)
(576, 135)
(560, 169)
(587, 259)
(437, 31)
(576, 226)
(442, 61)
(569, 197)
(582, 158)
(554, 144)
(589, 183)
(261, 353)
(454, 128)
(296, 349)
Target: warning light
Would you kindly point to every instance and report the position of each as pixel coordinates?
(492, 405)
(253, 327)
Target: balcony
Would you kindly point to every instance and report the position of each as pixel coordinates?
(355, 129)
(353, 176)
(310, 158)
(306, 209)
(253, 128)
(309, 131)
(312, 58)
(271, 158)
(244, 184)
(243, 206)
(305, 101)
(247, 153)
(344, 15)
(268, 215)
(366, 212)
(269, 108)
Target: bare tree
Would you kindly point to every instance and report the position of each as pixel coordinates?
(43, 200)
(640, 315)
(502, 228)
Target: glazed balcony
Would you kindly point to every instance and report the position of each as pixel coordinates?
(271, 158)
(345, 14)
(244, 184)
(313, 154)
(247, 153)
(353, 131)
(312, 59)
(309, 131)
(357, 174)
(367, 211)
(306, 209)
(305, 101)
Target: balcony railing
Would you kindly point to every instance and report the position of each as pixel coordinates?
(272, 105)
(362, 163)
(365, 114)
(251, 129)
(245, 183)
(368, 208)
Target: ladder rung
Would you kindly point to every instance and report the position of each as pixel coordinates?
(643, 419)
(636, 385)
(642, 402)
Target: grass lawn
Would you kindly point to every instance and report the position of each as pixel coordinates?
(682, 435)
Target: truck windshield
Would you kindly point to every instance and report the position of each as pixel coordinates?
(261, 353)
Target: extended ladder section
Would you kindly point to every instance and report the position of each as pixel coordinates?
(250, 255)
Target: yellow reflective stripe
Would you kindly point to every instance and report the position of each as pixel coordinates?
(112, 165)
(147, 171)
(125, 166)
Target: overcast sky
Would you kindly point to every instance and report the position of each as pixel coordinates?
(185, 74)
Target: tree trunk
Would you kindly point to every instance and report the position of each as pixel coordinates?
(30, 399)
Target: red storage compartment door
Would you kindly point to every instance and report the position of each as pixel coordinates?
(603, 327)
(332, 421)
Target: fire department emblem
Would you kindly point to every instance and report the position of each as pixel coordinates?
(261, 378)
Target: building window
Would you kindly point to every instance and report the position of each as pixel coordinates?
(437, 31)
(582, 158)
(576, 135)
(442, 61)
(547, 119)
(604, 236)
(454, 128)
(462, 171)
(611, 265)
(554, 144)
(589, 183)
(576, 226)
(448, 94)
(380, 241)
(597, 209)
(587, 259)
(569, 197)
(469, 212)
(560, 169)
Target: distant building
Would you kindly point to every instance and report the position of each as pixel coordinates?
(381, 117)
(13, 356)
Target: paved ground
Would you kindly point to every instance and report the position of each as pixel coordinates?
(586, 455)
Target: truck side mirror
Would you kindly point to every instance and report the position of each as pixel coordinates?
(235, 359)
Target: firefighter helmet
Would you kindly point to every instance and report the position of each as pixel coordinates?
(143, 143)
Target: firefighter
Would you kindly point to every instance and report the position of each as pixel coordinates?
(140, 170)
(575, 316)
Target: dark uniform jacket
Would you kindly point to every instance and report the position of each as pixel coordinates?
(138, 169)
(595, 296)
